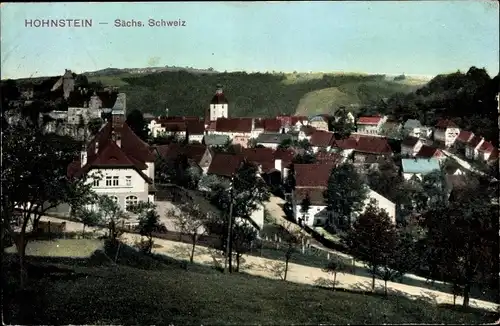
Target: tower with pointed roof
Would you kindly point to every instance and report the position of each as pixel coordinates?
(218, 106)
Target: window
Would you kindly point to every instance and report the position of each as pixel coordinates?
(108, 182)
(128, 181)
(114, 198)
(130, 201)
(96, 183)
(115, 181)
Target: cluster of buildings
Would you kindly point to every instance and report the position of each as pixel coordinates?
(126, 163)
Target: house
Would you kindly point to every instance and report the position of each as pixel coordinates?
(345, 146)
(413, 128)
(485, 150)
(199, 155)
(371, 146)
(225, 165)
(446, 132)
(382, 203)
(319, 122)
(195, 130)
(430, 152)
(391, 129)
(265, 125)
(286, 157)
(418, 167)
(452, 167)
(215, 140)
(270, 167)
(370, 125)
(125, 163)
(472, 147)
(329, 158)
(311, 180)
(410, 146)
(170, 125)
(349, 116)
(462, 140)
(321, 139)
(273, 140)
(218, 106)
(293, 122)
(239, 130)
(305, 132)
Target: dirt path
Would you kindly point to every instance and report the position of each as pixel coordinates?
(297, 273)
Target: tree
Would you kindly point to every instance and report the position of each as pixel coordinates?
(372, 239)
(112, 214)
(136, 122)
(35, 179)
(294, 239)
(462, 238)
(87, 217)
(243, 237)
(149, 223)
(190, 220)
(286, 143)
(434, 186)
(341, 125)
(334, 266)
(305, 204)
(345, 194)
(94, 125)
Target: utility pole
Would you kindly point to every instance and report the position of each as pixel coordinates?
(229, 242)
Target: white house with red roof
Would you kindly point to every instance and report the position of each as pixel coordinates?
(446, 132)
(370, 125)
(472, 147)
(124, 163)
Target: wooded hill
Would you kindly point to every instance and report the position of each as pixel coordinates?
(255, 94)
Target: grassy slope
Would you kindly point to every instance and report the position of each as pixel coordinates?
(253, 95)
(147, 290)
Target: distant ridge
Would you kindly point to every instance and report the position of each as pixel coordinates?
(148, 70)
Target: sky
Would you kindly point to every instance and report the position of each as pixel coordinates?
(410, 37)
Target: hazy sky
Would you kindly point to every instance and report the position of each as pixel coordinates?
(417, 37)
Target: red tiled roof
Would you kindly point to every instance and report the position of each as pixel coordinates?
(114, 156)
(321, 138)
(219, 98)
(464, 136)
(493, 155)
(174, 126)
(135, 147)
(164, 119)
(308, 130)
(192, 151)
(332, 158)
(243, 125)
(374, 145)
(195, 127)
(269, 125)
(348, 143)
(474, 141)
(315, 195)
(285, 155)
(291, 119)
(428, 152)
(410, 141)
(486, 147)
(443, 124)
(224, 164)
(261, 156)
(369, 120)
(211, 125)
(312, 175)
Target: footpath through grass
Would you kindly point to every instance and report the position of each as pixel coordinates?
(158, 290)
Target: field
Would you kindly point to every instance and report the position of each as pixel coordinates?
(160, 290)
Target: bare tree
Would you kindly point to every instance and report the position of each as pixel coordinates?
(190, 219)
(295, 239)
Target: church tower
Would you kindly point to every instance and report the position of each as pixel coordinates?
(218, 106)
